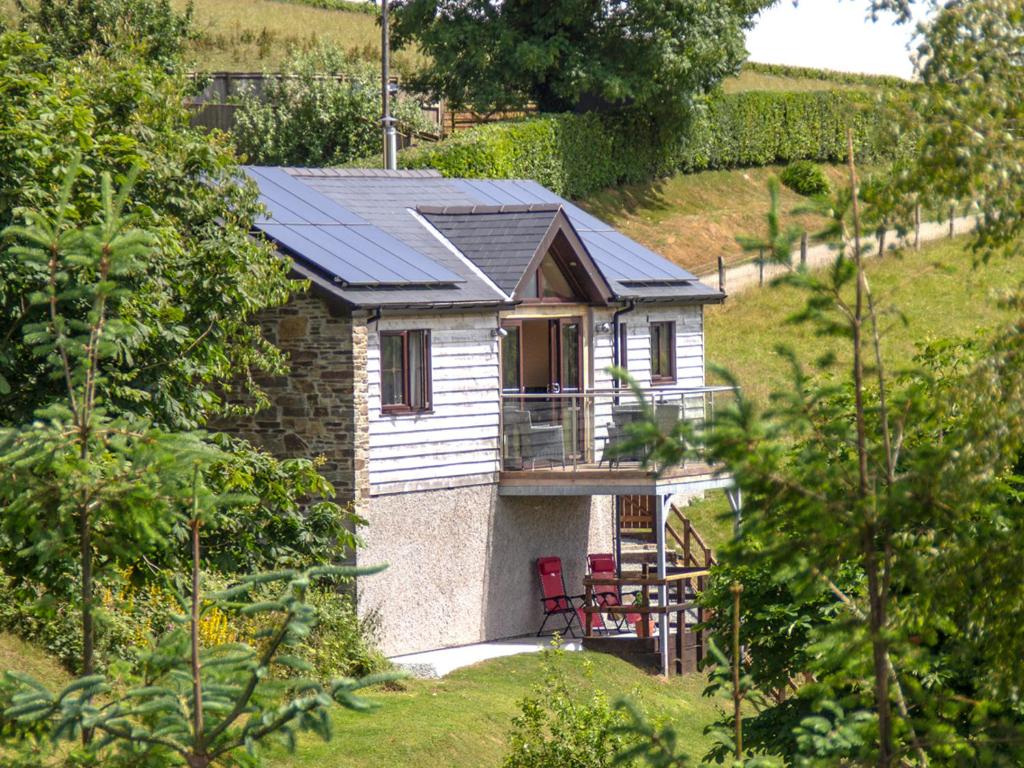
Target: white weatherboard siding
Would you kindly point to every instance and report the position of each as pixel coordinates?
(457, 442)
(689, 320)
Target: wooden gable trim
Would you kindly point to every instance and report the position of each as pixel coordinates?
(594, 284)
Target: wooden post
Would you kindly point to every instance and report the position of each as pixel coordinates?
(699, 634)
(760, 267)
(686, 542)
(917, 227)
(663, 618)
(803, 250)
(721, 275)
(680, 625)
(737, 699)
(952, 219)
(645, 601)
(881, 242)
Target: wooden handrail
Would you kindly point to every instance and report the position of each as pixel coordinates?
(640, 581)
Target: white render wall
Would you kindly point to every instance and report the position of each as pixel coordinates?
(461, 562)
(456, 443)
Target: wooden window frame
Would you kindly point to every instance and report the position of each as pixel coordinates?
(670, 327)
(427, 382)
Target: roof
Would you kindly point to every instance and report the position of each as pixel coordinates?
(376, 238)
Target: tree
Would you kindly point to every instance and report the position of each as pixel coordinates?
(205, 279)
(881, 512)
(656, 57)
(323, 110)
(148, 29)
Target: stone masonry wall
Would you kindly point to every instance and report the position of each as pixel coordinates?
(314, 408)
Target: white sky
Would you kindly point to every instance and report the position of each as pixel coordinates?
(833, 34)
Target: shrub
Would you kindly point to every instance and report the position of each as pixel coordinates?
(558, 727)
(805, 178)
(576, 155)
(324, 110)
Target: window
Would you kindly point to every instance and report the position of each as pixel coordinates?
(663, 353)
(511, 359)
(549, 282)
(404, 371)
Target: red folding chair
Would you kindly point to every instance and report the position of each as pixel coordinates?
(556, 601)
(608, 595)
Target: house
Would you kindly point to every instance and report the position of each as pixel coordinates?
(450, 362)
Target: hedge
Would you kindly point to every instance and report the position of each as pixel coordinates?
(576, 155)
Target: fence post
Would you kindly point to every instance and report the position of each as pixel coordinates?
(803, 250)
(760, 267)
(721, 275)
(952, 218)
(917, 227)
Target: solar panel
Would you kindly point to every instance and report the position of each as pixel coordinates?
(315, 229)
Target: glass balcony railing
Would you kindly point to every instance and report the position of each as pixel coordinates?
(570, 430)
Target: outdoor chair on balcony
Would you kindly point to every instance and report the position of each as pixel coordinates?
(556, 601)
(529, 442)
(610, 595)
(618, 435)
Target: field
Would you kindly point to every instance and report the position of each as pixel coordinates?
(693, 218)
(257, 35)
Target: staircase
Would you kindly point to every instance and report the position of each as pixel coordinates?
(684, 546)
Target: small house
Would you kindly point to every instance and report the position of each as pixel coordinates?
(450, 361)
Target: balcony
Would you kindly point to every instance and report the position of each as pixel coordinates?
(577, 443)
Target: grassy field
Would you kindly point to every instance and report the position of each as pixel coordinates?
(256, 35)
(693, 218)
(464, 719)
(940, 290)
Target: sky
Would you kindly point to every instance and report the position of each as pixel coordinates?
(831, 34)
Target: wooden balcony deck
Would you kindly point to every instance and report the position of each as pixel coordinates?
(627, 478)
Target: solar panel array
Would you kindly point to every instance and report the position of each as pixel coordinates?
(314, 228)
(618, 257)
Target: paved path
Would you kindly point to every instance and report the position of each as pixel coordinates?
(445, 660)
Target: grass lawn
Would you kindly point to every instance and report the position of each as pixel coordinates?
(464, 719)
(693, 218)
(18, 656)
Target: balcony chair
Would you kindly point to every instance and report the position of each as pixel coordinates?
(556, 601)
(531, 442)
(618, 435)
(610, 595)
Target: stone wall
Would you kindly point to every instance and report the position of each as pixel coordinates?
(461, 562)
(314, 410)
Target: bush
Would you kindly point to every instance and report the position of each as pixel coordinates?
(805, 178)
(558, 727)
(576, 155)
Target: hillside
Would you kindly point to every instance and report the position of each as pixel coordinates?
(693, 218)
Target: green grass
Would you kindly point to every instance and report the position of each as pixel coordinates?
(257, 35)
(692, 218)
(18, 656)
(464, 719)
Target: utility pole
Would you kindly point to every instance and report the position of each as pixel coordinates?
(386, 120)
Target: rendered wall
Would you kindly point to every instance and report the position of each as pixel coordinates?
(461, 562)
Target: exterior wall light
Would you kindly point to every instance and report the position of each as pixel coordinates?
(499, 333)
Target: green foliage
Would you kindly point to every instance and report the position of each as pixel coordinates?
(194, 297)
(324, 111)
(555, 728)
(643, 56)
(150, 30)
(830, 76)
(576, 155)
(150, 719)
(341, 643)
(351, 6)
(805, 178)
(777, 243)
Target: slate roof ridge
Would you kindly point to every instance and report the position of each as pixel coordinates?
(363, 173)
(462, 210)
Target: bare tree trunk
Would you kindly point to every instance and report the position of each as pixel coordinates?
(876, 602)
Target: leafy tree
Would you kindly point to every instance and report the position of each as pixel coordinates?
(205, 278)
(880, 518)
(324, 110)
(570, 54)
(148, 29)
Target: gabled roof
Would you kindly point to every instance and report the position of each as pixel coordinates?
(359, 235)
(507, 242)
